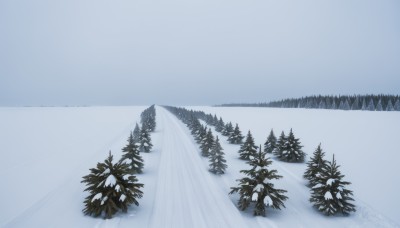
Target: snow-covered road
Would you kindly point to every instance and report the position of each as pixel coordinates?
(186, 194)
(41, 176)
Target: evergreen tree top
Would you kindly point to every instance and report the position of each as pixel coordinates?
(259, 164)
(249, 137)
(271, 136)
(291, 138)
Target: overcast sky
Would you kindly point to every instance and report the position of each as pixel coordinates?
(134, 52)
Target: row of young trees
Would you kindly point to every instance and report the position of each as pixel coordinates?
(226, 129)
(328, 190)
(113, 186)
(329, 194)
(354, 102)
(209, 145)
(257, 186)
(285, 148)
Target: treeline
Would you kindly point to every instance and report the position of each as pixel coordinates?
(354, 102)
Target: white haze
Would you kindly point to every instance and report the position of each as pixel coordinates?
(124, 52)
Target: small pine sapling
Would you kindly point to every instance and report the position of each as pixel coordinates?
(292, 150)
(236, 136)
(136, 134)
(270, 144)
(217, 160)
(145, 140)
(314, 166)
(207, 143)
(280, 145)
(111, 188)
(330, 195)
(228, 129)
(220, 125)
(257, 186)
(131, 156)
(248, 148)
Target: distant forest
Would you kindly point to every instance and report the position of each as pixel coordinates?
(354, 102)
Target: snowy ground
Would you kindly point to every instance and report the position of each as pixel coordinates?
(364, 144)
(46, 151)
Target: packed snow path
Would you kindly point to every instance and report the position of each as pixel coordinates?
(186, 195)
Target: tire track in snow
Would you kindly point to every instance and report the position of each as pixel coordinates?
(186, 194)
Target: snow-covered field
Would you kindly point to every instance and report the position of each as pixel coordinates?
(46, 151)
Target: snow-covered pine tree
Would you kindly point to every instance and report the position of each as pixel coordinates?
(228, 129)
(195, 126)
(145, 140)
(355, 105)
(201, 134)
(379, 105)
(215, 120)
(389, 106)
(220, 126)
(397, 105)
(341, 105)
(207, 144)
(131, 156)
(334, 104)
(136, 133)
(346, 105)
(364, 105)
(292, 150)
(330, 195)
(257, 186)
(217, 158)
(314, 166)
(322, 105)
(280, 145)
(270, 144)
(248, 148)
(236, 136)
(371, 106)
(111, 188)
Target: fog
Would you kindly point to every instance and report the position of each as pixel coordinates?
(195, 52)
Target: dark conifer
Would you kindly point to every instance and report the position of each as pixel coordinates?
(270, 144)
(136, 134)
(280, 145)
(248, 148)
(215, 120)
(330, 194)
(207, 144)
(131, 156)
(201, 134)
(228, 129)
(315, 165)
(111, 187)
(145, 140)
(257, 186)
(217, 160)
(220, 126)
(292, 150)
(236, 136)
